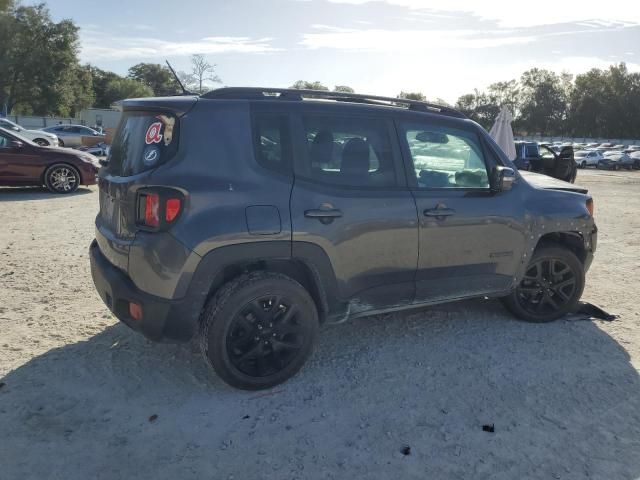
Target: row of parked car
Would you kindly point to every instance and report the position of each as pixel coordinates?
(36, 157)
(61, 135)
(605, 156)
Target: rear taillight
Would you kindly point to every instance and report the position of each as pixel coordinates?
(159, 207)
(151, 207)
(172, 209)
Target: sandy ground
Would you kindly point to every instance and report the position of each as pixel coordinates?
(80, 393)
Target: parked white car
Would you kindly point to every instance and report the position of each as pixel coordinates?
(44, 139)
(588, 158)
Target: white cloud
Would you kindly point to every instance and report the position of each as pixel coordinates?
(405, 40)
(514, 14)
(98, 47)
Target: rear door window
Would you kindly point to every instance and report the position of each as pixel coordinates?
(272, 141)
(348, 151)
(143, 141)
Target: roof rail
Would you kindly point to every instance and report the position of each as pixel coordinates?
(254, 93)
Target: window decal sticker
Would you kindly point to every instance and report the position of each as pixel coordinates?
(150, 155)
(168, 123)
(153, 133)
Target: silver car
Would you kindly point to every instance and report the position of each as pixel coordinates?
(71, 135)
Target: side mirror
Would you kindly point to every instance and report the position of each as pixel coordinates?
(503, 178)
(16, 144)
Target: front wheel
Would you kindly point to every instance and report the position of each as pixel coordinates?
(62, 178)
(551, 287)
(259, 330)
(583, 164)
(42, 142)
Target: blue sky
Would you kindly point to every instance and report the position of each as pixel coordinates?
(443, 49)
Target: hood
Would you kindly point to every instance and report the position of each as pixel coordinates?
(42, 133)
(68, 152)
(543, 181)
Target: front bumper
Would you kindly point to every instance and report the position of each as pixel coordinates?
(162, 319)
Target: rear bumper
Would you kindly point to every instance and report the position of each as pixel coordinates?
(162, 319)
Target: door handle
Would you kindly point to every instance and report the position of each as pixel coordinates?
(439, 212)
(323, 214)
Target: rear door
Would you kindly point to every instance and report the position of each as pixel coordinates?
(471, 239)
(350, 199)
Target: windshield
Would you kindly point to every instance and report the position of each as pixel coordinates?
(10, 125)
(16, 136)
(143, 141)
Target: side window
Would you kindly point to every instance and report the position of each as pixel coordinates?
(348, 151)
(4, 141)
(445, 158)
(532, 151)
(272, 141)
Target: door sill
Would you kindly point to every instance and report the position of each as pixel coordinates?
(341, 318)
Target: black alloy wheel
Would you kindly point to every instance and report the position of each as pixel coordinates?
(548, 285)
(265, 336)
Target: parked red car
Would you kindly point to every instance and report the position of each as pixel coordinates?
(61, 170)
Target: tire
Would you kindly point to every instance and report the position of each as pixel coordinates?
(247, 319)
(557, 294)
(42, 142)
(583, 164)
(60, 142)
(62, 178)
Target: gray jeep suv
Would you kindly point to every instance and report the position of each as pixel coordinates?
(249, 217)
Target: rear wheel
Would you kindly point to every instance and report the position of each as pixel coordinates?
(62, 178)
(259, 330)
(551, 287)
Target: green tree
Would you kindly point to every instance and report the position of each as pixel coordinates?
(38, 58)
(123, 88)
(606, 103)
(305, 85)
(157, 77)
(343, 88)
(479, 107)
(544, 103)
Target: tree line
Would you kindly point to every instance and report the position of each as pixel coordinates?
(599, 103)
(40, 74)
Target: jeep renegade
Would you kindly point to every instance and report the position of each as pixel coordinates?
(248, 217)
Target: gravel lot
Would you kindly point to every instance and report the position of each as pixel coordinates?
(83, 397)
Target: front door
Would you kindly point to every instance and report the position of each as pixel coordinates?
(17, 164)
(350, 199)
(471, 239)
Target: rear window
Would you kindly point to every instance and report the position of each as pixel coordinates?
(142, 141)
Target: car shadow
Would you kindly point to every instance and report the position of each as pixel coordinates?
(392, 396)
(21, 194)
